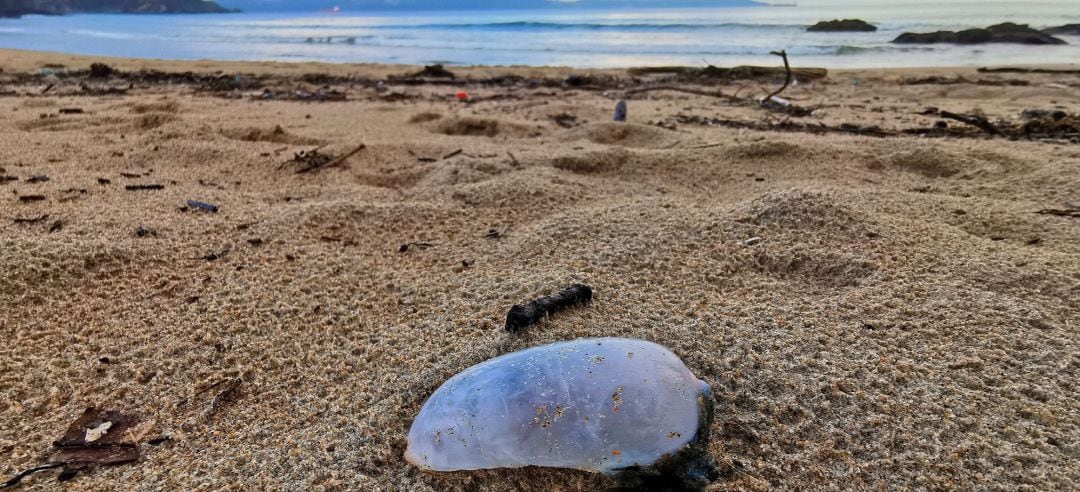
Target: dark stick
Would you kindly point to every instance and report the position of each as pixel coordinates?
(26, 473)
(203, 206)
(522, 316)
(975, 121)
(787, 76)
(144, 187)
(684, 90)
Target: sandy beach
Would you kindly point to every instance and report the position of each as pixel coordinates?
(872, 312)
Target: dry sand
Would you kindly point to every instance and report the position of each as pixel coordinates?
(905, 321)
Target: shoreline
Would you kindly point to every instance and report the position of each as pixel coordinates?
(28, 60)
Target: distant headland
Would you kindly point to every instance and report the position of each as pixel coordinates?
(18, 8)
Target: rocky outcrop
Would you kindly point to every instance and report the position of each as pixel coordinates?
(846, 25)
(1067, 29)
(1000, 33)
(16, 8)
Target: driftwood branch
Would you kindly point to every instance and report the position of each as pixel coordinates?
(787, 74)
(685, 90)
(975, 121)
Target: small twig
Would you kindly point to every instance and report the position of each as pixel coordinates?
(405, 247)
(453, 154)
(334, 162)
(139, 187)
(26, 473)
(1068, 212)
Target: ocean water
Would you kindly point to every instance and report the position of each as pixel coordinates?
(578, 38)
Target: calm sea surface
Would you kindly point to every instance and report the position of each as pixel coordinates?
(580, 38)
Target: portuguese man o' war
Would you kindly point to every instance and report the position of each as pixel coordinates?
(623, 407)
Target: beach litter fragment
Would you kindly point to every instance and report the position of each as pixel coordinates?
(195, 204)
(630, 409)
(31, 198)
(1066, 212)
(98, 437)
(421, 246)
(620, 110)
(144, 187)
(40, 178)
(522, 316)
(35, 220)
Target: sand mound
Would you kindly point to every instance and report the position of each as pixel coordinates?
(425, 117)
(599, 161)
(624, 134)
(479, 127)
(831, 269)
(929, 162)
(150, 121)
(156, 107)
(766, 150)
(277, 134)
(800, 209)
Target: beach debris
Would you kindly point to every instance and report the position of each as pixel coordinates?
(130, 175)
(627, 408)
(787, 75)
(143, 231)
(436, 71)
(224, 391)
(1073, 212)
(1041, 114)
(752, 241)
(100, 71)
(522, 316)
(974, 120)
(1065, 71)
(565, 120)
(620, 110)
(213, 255)
(31, 198)
(40, 178)
(421, 246)
(453, 154)
(18, 478)
(56, 226)
(494, 234)
(195, 204)
(97, 437)
(462, 96)
(71, 111)
(314, 159)
(7, 179)
(142, 187)
(34, 220)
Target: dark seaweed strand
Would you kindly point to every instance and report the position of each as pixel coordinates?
(691, 469)
(522, 316)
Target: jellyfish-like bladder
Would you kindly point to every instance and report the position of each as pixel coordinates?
(626, 408)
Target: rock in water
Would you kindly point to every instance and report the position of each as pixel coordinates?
(611, 405)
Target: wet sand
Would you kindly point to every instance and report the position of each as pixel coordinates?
(872, 313)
